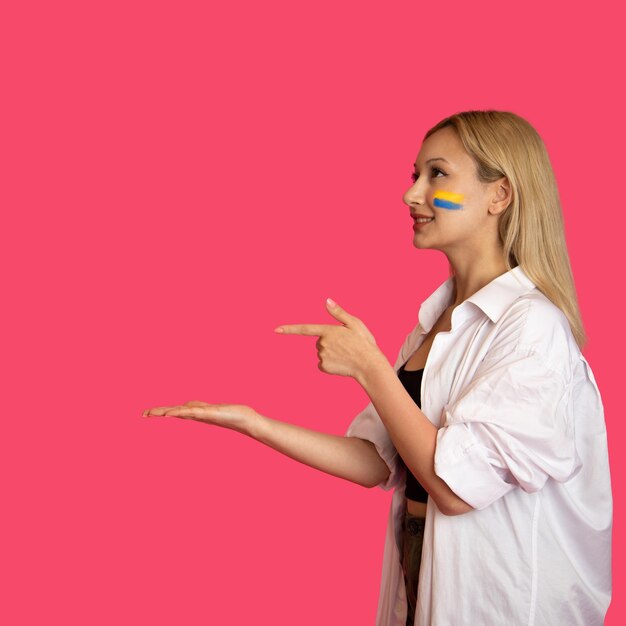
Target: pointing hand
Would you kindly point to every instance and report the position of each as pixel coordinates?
(346, 349)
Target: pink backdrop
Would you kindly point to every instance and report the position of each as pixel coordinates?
(178, 180)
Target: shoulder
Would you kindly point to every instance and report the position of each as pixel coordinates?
(535, 325)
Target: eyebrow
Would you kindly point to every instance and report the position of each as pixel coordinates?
(431, 160)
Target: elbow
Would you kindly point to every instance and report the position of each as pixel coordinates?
(379, 479)
(369, 484)
(455, 506)
(448, 502)
(371, 479)
(379, 474)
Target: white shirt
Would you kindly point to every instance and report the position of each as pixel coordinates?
(522, 439)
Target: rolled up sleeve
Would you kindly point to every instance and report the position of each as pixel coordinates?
(512, 427)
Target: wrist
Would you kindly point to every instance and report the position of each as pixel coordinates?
(371, 367)
(254, 426)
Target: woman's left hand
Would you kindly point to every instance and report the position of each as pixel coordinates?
(345, 350)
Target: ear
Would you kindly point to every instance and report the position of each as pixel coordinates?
(502, 196)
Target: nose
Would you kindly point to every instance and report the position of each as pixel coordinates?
(414, 195)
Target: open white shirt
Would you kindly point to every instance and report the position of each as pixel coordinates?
(522, 439)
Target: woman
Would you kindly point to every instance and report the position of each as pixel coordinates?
(490, 426)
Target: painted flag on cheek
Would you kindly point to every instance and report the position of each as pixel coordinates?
(448, 200)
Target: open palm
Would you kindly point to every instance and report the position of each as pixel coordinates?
(233, 416)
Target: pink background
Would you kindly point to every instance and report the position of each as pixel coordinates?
(178, 180)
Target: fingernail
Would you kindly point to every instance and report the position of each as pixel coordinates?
(331, 302)
(279, 330)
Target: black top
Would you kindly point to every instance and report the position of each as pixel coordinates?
(412, 381)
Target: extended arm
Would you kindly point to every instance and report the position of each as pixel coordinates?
(353, 458)
(350, 458)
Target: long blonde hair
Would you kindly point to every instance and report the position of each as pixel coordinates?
(531, 228)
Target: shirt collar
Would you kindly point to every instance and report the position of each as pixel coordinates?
(493, 299)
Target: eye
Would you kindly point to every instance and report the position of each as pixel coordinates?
(414, 176)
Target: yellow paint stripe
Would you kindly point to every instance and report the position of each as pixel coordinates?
(448, 195)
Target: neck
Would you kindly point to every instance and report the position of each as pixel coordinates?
(471, 277)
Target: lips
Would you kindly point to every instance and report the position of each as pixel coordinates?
(417, 224)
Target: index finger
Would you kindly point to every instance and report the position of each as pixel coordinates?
(302, 329)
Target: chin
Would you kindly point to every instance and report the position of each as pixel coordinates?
(420, 244)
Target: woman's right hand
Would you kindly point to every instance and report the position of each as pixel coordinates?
(235, 416)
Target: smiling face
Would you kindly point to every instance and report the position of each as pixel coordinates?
(446, 187)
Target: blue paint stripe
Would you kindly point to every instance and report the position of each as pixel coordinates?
(446, 204)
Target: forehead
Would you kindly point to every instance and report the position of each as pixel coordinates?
(444, 145)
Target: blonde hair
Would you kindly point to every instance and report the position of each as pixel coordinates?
(531, 228)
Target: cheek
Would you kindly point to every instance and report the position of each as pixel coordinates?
(448, 200)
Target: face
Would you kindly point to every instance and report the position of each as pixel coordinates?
(446, 188)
